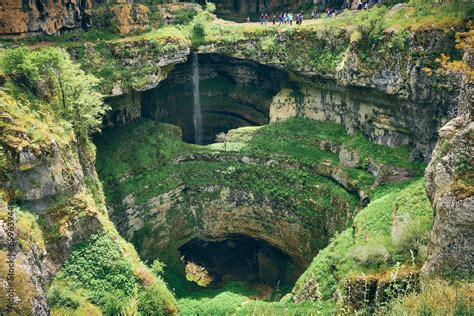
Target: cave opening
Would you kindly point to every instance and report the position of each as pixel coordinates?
(232, 92)
(238, 258)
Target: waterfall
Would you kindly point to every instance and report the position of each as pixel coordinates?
(197, 115)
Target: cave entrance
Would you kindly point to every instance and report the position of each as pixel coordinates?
(232, 93)
(240, 258)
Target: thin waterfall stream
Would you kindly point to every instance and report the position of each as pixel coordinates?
(197, 115)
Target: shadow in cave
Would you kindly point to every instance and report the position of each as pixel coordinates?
(240, 258)
(233, 93)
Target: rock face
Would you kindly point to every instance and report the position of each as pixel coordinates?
(381, 118)
(41, 16)
(217, 213)
(449, 185)
(38, 183)
(390, 99)
(32, 17)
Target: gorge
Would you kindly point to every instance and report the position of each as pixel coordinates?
(236, 168)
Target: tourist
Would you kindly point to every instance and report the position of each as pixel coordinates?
(301, 17)
(359, 5)
(248, 19)
(273, 19)
(281, 18)
(261, 18)
(290, 18)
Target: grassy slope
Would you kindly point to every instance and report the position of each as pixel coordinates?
(373, 226)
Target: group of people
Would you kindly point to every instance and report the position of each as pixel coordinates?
(282, 18)
(288, 18)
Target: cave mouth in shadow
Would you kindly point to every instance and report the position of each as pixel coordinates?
(232, 92)
(238, 258)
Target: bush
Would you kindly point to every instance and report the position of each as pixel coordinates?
(50, 75)
(62, 298)
(184, 16)
(210, 7)
(413, 236)
(422, 7)
(98, 266)
(157, 267)
(198, 33)
(372, 255)
(437, 297)
(151, 301)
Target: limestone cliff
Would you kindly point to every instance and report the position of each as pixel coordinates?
(47, 17)
(42, 16)
(449, 184)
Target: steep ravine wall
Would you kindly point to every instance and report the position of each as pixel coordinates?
(51, 201)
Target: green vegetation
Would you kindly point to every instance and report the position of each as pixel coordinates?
(51, 105)
(147, 167)
(50, 76)
(437, 297)
(98, 270)
(150, 161)
(391, 230)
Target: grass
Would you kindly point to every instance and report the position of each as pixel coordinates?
(373, 226)
(437, 297)
(149, 162)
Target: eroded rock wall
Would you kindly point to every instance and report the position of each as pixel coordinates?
(41, 16)
(22, 18)
(449, 185)
(383, 119)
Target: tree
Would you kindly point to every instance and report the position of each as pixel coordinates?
(222, 138)
(50, 75)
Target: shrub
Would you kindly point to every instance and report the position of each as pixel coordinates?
(422, 7)
(210, 7)
(151, 301)
(157, 267)
(184, 16)
(372, 255)
(113, 302)
(62, 298)
(437, 297)
(98, 266)
(413, 236)
(50, 75)
(198, 33)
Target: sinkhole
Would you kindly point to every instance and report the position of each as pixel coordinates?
(231, 93)
(240, 258)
